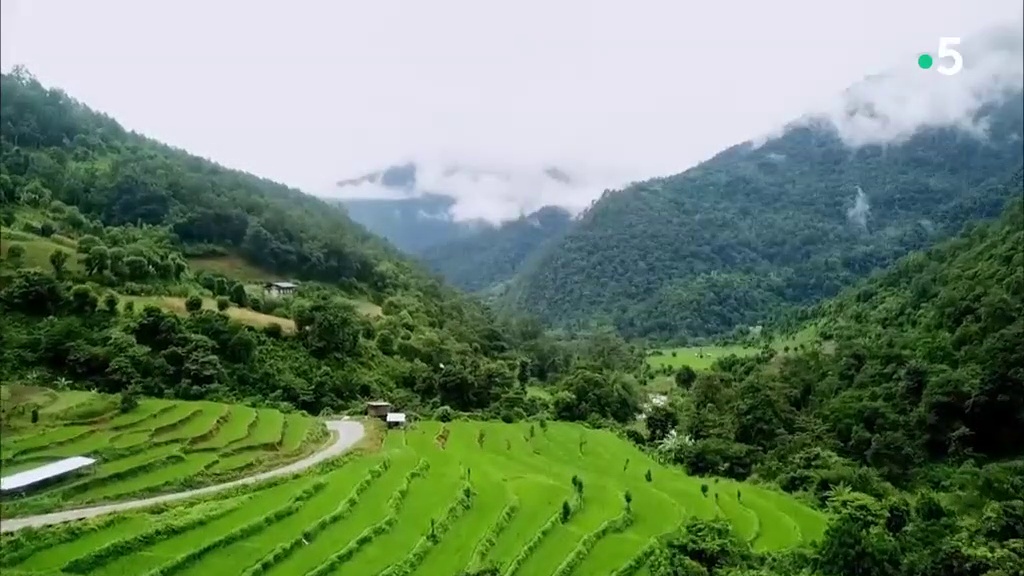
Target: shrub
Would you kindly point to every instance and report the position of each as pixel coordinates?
(193, 303)
(648, 476)
(46, 229)
(223, 303)
(444, 414)
(15, 252)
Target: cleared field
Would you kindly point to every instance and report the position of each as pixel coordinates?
(243, 315)
(440, 500)
(702, 357)
(233, 267)
(37, 249)
(160, 446)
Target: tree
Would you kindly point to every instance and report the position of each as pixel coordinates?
(628, 497)
(35, 415)
(97, 260)
(193, 303)
(129, 401)
(648, 476)
(238, 295)
(685, 376)
(566, 511)
(58, 260)
(223, 303)
(47, 229)
(661, 419)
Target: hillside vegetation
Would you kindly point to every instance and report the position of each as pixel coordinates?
(108, 236)
(757, 229)
(437, 499)
(908, 428)
(144, 446)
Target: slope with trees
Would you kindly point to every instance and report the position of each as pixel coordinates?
(106, 213)
(758, 229)
(907, 427)
(496, 255)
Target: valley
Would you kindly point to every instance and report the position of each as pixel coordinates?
(801, 356)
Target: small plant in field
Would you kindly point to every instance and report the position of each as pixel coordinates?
(543, 425)
(35, 415)
(739, 497)
(716, 497)
(433, 530)
(704, 490)
(480, 435)
(577, 484)
(648, 476)
(626, 465)
(533, 431)
(628, 497)
(566, 511)
(508, 444)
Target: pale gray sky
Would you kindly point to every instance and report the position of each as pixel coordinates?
(309, 92)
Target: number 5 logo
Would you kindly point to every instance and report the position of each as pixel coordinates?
(945, 49)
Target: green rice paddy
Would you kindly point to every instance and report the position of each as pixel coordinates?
(434, 500)
(159, 446)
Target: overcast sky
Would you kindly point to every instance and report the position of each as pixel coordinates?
(310, 92)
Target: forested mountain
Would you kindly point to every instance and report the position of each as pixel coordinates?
(495, 255)
(756, 229)
(102, 228)
(908, 426)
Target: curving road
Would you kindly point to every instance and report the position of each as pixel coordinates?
(346, 434)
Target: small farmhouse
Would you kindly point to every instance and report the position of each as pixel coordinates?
(378, 409)
(279, 289)
(395, 419)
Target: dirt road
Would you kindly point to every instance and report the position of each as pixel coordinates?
(346, 434)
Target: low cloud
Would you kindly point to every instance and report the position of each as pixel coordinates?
(889, 108)
(496, 192)
(858, 213)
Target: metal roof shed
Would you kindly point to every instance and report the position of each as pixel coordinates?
(395, 418)
(45, 472)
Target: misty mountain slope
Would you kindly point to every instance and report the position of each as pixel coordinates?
(420, 205)
(496, 255)
(754, 229)
(412, 224)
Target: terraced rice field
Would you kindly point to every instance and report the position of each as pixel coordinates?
(160, 446)
(434, 500)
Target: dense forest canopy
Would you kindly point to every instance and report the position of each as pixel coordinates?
(757, 229)
(907, 427)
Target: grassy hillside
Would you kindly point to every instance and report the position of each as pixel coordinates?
(157, 446)
(756, 229)
(438, 499)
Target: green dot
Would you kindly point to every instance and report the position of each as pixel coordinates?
(924, 61)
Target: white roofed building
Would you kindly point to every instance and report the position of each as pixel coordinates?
(28, 479)
(395, 419)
